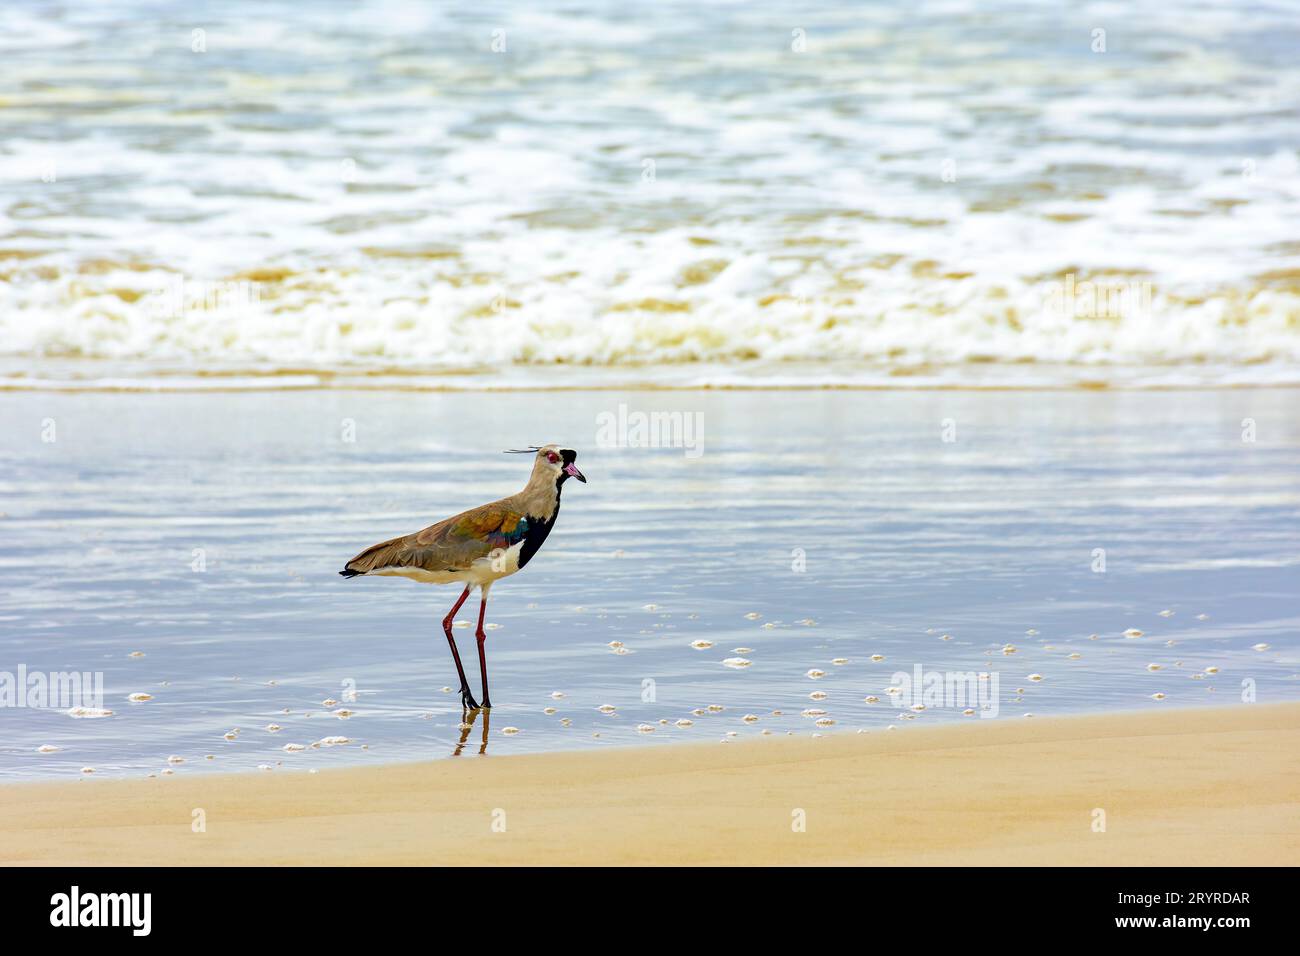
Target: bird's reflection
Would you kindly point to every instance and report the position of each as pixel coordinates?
(467, 724)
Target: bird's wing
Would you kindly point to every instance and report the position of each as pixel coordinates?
(451, 545)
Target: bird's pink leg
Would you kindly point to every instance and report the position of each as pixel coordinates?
(482, 658)
(466, 698)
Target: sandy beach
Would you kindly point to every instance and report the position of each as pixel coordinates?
(1184, 787)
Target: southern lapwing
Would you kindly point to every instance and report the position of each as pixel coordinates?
(478, 547)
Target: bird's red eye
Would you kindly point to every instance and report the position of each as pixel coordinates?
(552, 457)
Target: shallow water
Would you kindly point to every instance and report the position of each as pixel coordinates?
(919, 189)
(905, 538)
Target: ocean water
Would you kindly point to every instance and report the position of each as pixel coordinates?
(940, 193)
(186, 547)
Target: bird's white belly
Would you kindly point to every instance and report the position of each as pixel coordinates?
(485, 570)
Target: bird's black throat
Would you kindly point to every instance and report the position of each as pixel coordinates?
(538, 529)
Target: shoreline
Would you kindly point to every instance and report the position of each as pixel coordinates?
(96, 376)
(1179, 787)
(71, 388)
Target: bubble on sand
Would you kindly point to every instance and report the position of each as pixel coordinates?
(701, 645)
(840, 661)
(750, 718)
(815, 674)
(607, 708)
(1074, 657)
(645, 728)
(231, 734)
(752, 616)
(968, 712)
(272, 728)
(871, 700)
(1132, 632)
(293, 748)
(139, 698)
(877, 658)
(1202, 617)
(1031, 632)
(716, 708)
(1166, 613)
(342, 713)
(620, 650)
(557, 695)
(615, 644)
(1153, 667)
(334, 741)
(649, 607)
(264, 766)
(1157, 696)
(1029, 715)
(1009, 649)
(446, 690)
(566, 722)
(818, 695)
(1260, 647)
(88, 713)
(806, 622)
(736, 662)
(47, 749)
(87, 769)
(765, 732)
(175, 759)
(742, 650)
(1211, 670)
(1035, 677)
(917, 708)
(825, 722)
(331, 702)
(493, 627)
(548, 711)
(509, 731)
(136, 654)
(685, 723)
(893, 691)
(700, 712)
(813, 712)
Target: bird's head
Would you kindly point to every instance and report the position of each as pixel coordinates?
(554, 463)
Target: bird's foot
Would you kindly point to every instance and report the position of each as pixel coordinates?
(487, 704)
(467, 699)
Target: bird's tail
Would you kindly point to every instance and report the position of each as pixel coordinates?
(349, 573)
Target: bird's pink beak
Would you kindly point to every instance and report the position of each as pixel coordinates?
(572, 471)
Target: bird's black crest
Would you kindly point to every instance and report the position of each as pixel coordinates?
(523, 451)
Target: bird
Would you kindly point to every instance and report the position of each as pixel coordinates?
(478, 547)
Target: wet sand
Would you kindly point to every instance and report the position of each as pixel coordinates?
(1182, 787)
